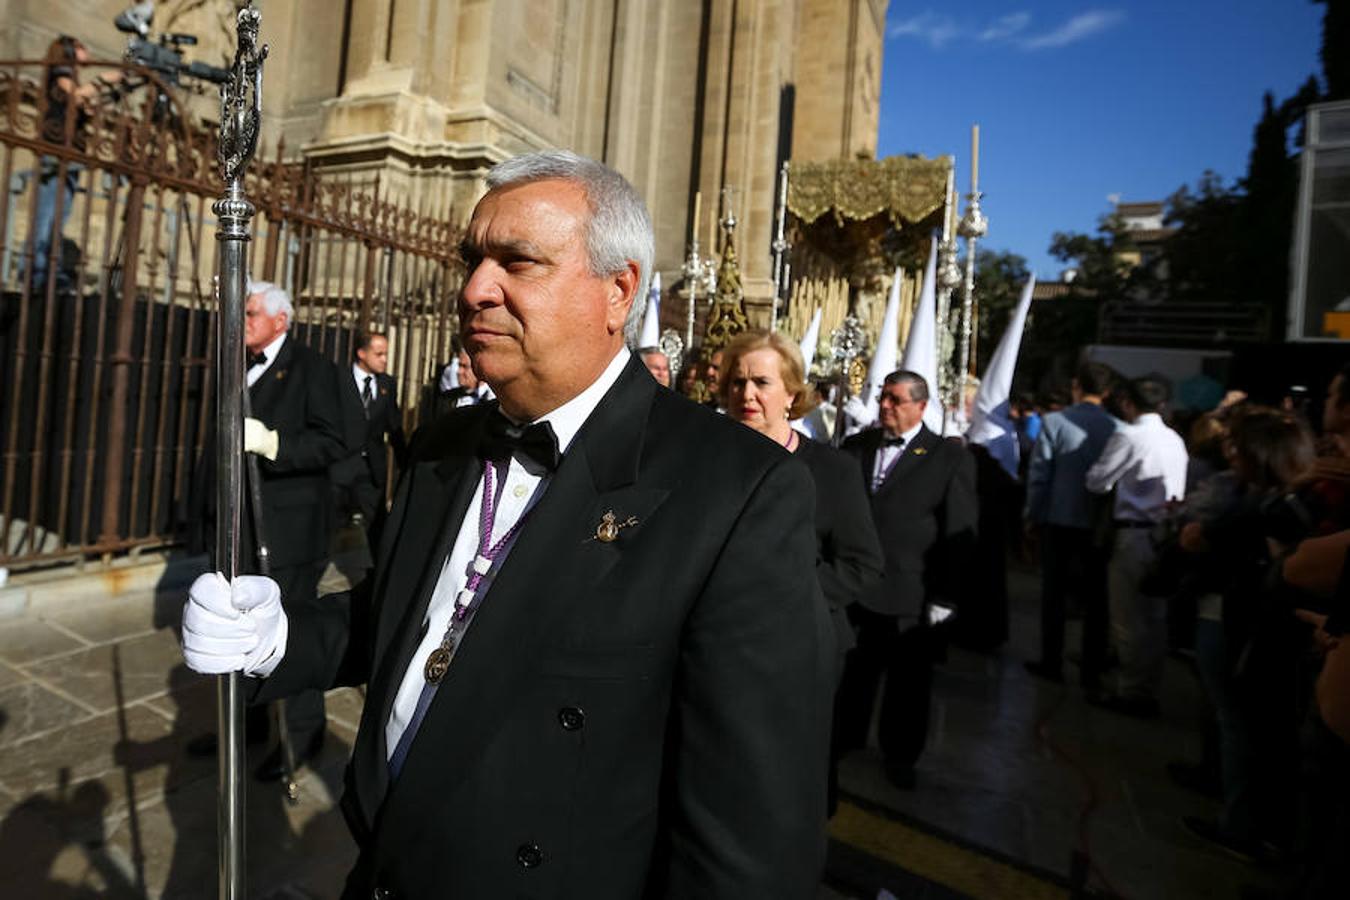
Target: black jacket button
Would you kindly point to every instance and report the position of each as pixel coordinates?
(529, 855)
(382, 894)
(571, 718)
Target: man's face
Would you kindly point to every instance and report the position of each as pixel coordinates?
(538, 324)
(659, 366)
(375, 358)
(713, 370)
(467, 378)
(897, 412)
(260, 329)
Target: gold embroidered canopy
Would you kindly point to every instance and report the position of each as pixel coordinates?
(906, 188)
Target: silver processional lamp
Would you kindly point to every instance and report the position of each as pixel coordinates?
(240, 121)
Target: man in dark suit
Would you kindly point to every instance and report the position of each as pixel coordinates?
(295, 434)
(370, 412)
(599, 661)
(924, 508)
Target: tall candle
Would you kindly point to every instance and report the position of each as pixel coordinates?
(974, 158)
(712, 232)
(947, 203)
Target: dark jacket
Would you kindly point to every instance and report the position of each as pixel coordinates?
(647, 717)
(296, 397)
(925, 513)
(367, 451)
(848, 553)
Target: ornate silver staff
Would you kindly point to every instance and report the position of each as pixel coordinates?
(847, 343)
(973, 227)
(240, 119)
(779, 247)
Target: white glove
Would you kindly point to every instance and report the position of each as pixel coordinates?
(856, 410)
(260, 439)
(234, 628)
(938, 613)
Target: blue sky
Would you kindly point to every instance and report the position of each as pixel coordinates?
(1077, 101)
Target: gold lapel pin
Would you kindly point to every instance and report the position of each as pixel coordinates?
(920, 451)
(281, 374)
(607, 532)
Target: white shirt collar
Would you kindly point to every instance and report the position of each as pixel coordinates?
(1148, 420)
(361, 375)
(567, 419)
(272, 349)
(907, 436)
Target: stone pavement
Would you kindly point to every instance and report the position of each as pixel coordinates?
(99, 799)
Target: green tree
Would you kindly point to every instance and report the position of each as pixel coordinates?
(999, 277)
(1336, 49)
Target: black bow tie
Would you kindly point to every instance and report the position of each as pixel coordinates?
(893, 442)
(535, 445)
(257, 359)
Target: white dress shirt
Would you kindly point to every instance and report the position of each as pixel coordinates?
(888, 456)
(519, 491)
(270, 351)
(1145, 461)
(361, 375)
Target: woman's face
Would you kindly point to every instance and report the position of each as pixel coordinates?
(756, 395)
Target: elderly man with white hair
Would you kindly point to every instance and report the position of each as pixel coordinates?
(599, 663)
(295, 433)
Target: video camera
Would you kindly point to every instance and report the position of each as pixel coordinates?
(166, 55)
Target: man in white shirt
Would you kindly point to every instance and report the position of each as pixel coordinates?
(599, 663)
(1145, 463)
(373, 424)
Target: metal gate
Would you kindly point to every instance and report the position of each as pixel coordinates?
(106, 350)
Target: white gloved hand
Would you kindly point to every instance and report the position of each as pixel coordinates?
(260, 439)
(234, 628)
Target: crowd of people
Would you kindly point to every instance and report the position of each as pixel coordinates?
(713, 597)
(1226, 547)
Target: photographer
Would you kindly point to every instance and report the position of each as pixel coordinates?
(67, 106)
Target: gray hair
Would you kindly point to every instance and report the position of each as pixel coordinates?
(620, 229)
(916, 383)
(275, 299)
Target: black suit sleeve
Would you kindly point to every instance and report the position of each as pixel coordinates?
(851, 559)
(959, 526)
(393, 426)
(750, 714)
(317, 440)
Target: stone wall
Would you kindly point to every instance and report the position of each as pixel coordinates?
(680, 95)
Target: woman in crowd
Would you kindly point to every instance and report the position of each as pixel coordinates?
(763, 386)
(1247, 649)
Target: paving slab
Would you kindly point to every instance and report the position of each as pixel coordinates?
(106, 621)
(26, 640)
(28, 709)
(144, 663)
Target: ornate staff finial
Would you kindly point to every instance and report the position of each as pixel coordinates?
(241, 100)
(727, 318)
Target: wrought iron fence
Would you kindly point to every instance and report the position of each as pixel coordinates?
(107, 260)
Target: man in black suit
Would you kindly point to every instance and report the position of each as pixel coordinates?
(599, 661)
(924, 508)
(295, 434)
(370, 411)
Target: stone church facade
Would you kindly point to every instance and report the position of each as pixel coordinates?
(682, 96)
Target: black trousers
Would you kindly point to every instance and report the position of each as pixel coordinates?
(362, 496)
(1072, 564)
(305, 716)
(906, 660)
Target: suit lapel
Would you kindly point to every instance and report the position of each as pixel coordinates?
(438, 499)
(550, 572)
(915, 452)
(265, 390)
